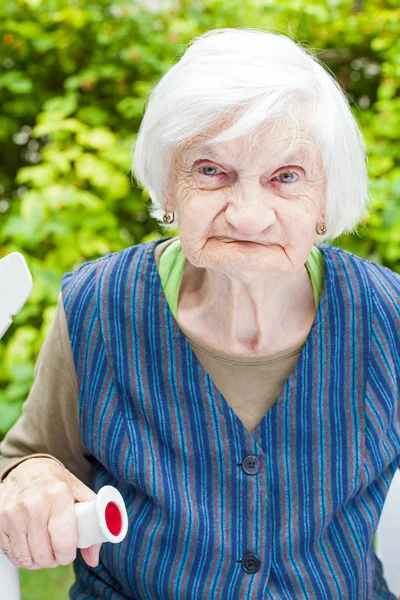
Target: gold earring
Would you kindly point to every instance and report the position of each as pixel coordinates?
(167, 217)
(322, 229)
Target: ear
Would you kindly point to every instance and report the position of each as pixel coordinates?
(322, 211)
(168, 205)
(168, 199)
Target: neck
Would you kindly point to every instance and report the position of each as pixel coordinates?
(245, 313)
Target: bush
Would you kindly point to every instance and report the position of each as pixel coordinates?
(73, 89)
(76, 75)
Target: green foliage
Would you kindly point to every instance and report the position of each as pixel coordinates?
(73, 87)
(75, 79)
(46, 584)
(73, 90)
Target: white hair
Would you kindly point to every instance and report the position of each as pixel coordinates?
(265, 77)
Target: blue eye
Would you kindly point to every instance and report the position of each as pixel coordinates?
(208, 167)
(285, 173)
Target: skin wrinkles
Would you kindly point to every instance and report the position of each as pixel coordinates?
(247, 298)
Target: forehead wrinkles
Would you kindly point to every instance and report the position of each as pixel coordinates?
(274, 144)
(300, 152)
(284, 144)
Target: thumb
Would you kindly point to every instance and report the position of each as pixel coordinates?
(91, 555)
(82, 493)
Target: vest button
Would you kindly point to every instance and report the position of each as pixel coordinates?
(250, 562)
(251, 464)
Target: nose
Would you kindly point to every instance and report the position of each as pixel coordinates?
(250, 213)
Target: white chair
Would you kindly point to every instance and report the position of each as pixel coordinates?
(388, 536)
(15, 288)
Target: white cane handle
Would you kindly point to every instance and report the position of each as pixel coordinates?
(103, 519)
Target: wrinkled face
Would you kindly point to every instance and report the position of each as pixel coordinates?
(248, 208)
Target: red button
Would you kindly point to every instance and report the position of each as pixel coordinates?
(113, 518)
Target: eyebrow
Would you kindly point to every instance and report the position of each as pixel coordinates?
(206, 149)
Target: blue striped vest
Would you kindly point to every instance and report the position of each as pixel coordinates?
(215, 512)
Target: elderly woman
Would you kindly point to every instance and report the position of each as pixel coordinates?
(238, 383)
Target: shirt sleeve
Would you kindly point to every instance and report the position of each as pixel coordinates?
(49, 424)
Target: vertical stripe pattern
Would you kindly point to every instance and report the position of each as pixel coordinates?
(162, 433)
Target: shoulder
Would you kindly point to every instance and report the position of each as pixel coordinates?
(88, 270)
(385, 287)
(381, 282)
(84, 279)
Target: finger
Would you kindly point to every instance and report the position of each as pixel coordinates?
(40, 545)
(5, 546)
(20, 550)
(91, 554)
(63, 530)
(80, 492)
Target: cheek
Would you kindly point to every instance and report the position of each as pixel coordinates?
(183, 195)
(199, 212)
(302, 209)
(196, 225)
(299, 225)
(303, 239)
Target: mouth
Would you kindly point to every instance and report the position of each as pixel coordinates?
(246, 242)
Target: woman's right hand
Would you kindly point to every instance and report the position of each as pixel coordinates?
(38, 526)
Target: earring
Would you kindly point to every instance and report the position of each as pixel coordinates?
(322, 229)
(167, 218)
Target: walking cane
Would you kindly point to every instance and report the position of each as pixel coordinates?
(103, 519)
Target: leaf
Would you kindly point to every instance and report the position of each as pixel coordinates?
(9, 413)
(98, 138)
(16, 82)
(39, 175)
(59, 125)
(93, 115)
(61, 106)
(131, 107)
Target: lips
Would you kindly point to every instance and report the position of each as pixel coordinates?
(238, 241)
(252, 242)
